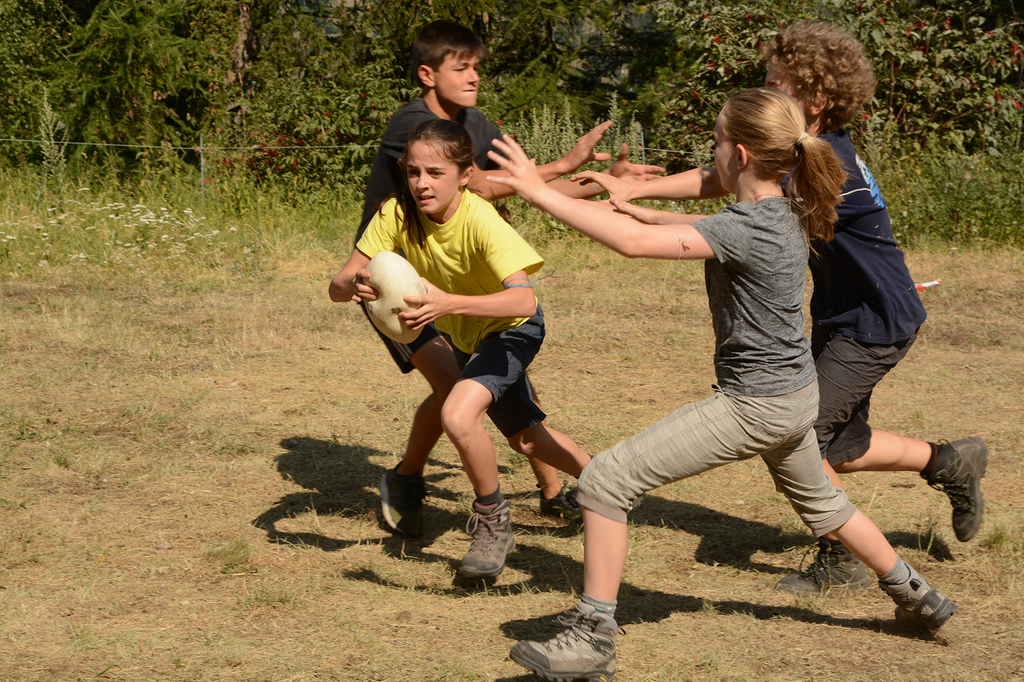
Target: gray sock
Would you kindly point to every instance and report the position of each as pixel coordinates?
(588, 604)
(491, 499)
(900, 573)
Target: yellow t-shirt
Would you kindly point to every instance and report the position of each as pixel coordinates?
(470, 255)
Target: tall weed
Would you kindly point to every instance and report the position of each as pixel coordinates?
(941, 195)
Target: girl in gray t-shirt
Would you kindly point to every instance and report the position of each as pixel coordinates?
(766, 397)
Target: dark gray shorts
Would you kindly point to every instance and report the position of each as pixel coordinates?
(848, 372)
(499, 364)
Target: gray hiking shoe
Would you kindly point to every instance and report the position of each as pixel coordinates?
(563, 504)
(958, 469)
(401, 499)
(491, 531)
(918, 603)
(584, 651)
(834, 568)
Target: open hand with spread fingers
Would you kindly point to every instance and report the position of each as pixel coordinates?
(523, 176)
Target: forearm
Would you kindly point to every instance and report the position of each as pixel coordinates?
(548, 172)
(698, 183)
(575, 189)
(619, 232)
(512, 302)
(342, 287)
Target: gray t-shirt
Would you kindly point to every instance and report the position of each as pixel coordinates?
(756, 294)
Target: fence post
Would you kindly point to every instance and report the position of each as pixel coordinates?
(202, 175)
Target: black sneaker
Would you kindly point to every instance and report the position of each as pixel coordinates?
(958, 469)
(401, 499)
(834, 568)
(918, 603)
(492, 542)
(584, 651)
(564, 504)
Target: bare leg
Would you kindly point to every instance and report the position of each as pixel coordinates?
(889, 452)
(555, 450)
(604, 555)
(436, 362)
(462, 417)
(546, 475)
(862, 537)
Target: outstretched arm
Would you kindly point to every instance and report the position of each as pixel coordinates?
(624, 170)
(653, 216)
(698, 183)
(621, 233)
(581, 153)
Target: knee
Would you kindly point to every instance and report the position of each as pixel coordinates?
(460, 421)
(521, 444)
(453, 420)
(442, 391)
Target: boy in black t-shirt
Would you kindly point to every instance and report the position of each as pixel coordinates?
(445, 59)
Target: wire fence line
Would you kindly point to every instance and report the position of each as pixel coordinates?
(197, 148)
(201, 149)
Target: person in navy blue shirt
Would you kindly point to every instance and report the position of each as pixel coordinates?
(865, 309)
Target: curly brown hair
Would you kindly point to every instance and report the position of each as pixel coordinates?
(824, 62)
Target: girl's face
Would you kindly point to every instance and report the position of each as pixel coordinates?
(725, 156)
(435, 182)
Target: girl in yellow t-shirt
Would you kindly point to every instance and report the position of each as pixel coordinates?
(475, 268)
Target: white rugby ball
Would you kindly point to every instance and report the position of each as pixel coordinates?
(394, 278)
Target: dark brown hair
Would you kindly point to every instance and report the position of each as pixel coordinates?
(451, 141)
(438, 39)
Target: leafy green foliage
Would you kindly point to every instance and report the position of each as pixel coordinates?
(135, 77)
(29, 31)
(943, 195)
(311, 114)
(946, 75)
(291, 96)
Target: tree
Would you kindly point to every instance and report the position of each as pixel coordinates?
(134, 76)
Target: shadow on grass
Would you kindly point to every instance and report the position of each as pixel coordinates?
(653, 606)
(732, 540)
(638, 606)
(338, 480)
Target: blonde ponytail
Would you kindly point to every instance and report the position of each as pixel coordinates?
(771, 125)
(817, 180)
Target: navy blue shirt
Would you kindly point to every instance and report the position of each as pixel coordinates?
(862, 287)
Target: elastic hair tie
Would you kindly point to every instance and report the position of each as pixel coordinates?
(526, 284)
(801, 138)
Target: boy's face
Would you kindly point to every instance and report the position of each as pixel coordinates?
(455, 82)
(779, 79)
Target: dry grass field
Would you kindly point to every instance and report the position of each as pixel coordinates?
(188, 487)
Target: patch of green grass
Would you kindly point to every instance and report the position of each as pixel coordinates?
(234, 556)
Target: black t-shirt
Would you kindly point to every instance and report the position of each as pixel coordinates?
(385, 177)
(862, 287)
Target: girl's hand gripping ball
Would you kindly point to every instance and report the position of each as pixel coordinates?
(394, 278)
